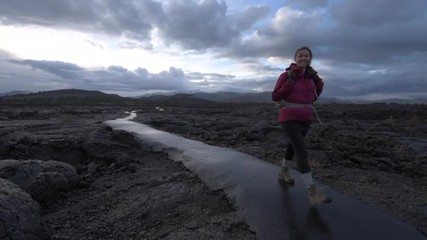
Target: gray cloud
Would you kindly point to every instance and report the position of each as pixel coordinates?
(372, 14)
(113, 78)
(60, 69)
(22, 77)
(355, 39)
(129, 18)
(205, 24)
(52, 75)
(361, 47)
(347, 31)
(307, 4)
(195, 25)
(333, 27)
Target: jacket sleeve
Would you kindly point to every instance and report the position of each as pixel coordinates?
(283, 87)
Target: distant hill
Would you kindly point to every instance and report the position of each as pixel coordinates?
(265, 97)
(79, 96)
(63, 93)
(217, 96)
(262, 97)
(76, 97)
(403, 101)
(179, 100)
(12, 93)
(232, 97)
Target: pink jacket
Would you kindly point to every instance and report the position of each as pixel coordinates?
(300, 91)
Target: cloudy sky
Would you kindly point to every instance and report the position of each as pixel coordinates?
(363, 49)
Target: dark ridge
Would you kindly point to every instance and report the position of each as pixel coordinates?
(87, 97)
(187, 100)
(12, 93)
(62, 93)
(72, 97)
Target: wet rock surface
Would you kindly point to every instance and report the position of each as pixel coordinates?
(121, 188)
(376, 153)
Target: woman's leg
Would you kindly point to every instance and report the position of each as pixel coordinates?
(296, 132)
(289, 152)
(291, 132)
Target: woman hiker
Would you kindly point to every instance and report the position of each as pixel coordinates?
(296, 90)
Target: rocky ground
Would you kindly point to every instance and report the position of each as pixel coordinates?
(124, 190)
(110, 186)
(376, 153)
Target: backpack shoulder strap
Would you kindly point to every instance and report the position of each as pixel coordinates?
(291, 75)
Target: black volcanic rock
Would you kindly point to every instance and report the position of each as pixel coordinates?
(375, 153)
(19, 214)
(43, 180)
(126, 191)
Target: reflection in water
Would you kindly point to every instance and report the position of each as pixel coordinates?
(315, 222)
(311, 226)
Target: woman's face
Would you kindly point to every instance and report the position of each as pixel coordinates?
(303, 58)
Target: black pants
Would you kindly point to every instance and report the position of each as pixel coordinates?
(295, 132)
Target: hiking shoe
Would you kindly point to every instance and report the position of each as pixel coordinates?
(285, 176)
(317, 197)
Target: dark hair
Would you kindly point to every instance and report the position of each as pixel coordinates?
(304, 48)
